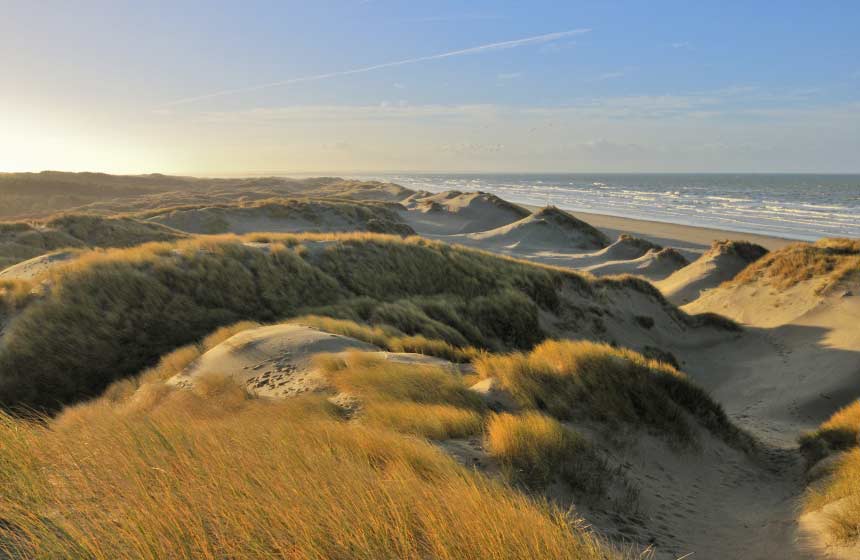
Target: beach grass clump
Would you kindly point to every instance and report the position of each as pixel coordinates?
(389, 338)
(225, 475)
(536, 450)
(589, 381)
(839, 492)
(421, 399)
(840, 432)
(839, 489)
(829, 261)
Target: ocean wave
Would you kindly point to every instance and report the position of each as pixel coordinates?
(771, 205)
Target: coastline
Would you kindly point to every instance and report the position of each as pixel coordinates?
(680, 236)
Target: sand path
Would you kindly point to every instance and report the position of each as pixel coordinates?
(775, 383)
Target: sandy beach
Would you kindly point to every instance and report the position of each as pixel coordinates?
(675, 235)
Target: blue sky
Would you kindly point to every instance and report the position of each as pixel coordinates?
(575, 86)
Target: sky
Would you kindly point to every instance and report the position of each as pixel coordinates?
(286, 87)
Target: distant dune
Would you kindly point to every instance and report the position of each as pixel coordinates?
(283, 216)
(722, 262)
(653, 265)
(20, 241)
(454, 212)
(548, 229)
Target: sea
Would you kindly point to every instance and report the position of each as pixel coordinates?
(803, 207)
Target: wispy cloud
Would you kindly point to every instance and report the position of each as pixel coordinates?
(503, 45)
(453, 18)
(510, 76)
(681, 45)
(608, 76)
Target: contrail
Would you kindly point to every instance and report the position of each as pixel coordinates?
(472, 50)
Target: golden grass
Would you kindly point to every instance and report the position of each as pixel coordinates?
(829, 261)
(111, 313)
(387, 338)
(841, 431)
(20, 241)
(224, 475)
(585, 380)
(425, 400)
(536, 450)
(840, 488)
(840, 491)
(432, 421)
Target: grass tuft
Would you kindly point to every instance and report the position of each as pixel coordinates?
(828, 260)
(537, 450)
(186, 478)
(585, 380)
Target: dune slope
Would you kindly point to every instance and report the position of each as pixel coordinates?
(20, 241)
(455, 212)
(721, 263)
(119, 310)
(653, 265)
(548, 229)
(283, 216)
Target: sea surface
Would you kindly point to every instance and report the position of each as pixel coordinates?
(805, 207)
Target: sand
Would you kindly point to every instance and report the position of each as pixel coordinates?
(795, 363)
(277, 361)
(719, 264)
(37, 266)
(653, 265)
(676, 235)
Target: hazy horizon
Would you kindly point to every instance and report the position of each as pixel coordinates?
(387, 87)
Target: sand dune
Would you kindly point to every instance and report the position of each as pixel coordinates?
(271, 361)
(278, 360)
(653, 265)
(20, 241)
(284, 216)
(548, 229)
(799, 360)
(722, 262)
(37, 266)
(787, 284)
(455, 212)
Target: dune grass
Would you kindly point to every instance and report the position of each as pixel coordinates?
(20, 241)
(537, 450)
(840, 432)
(829, 261)
(426, 400)
(319, 214)
(840, 487)
(108, 314)
(841, 491)
(215, 473)
(586, 380)
(112, 313)
(389, 338)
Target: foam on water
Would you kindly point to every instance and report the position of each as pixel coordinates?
(804, 207)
